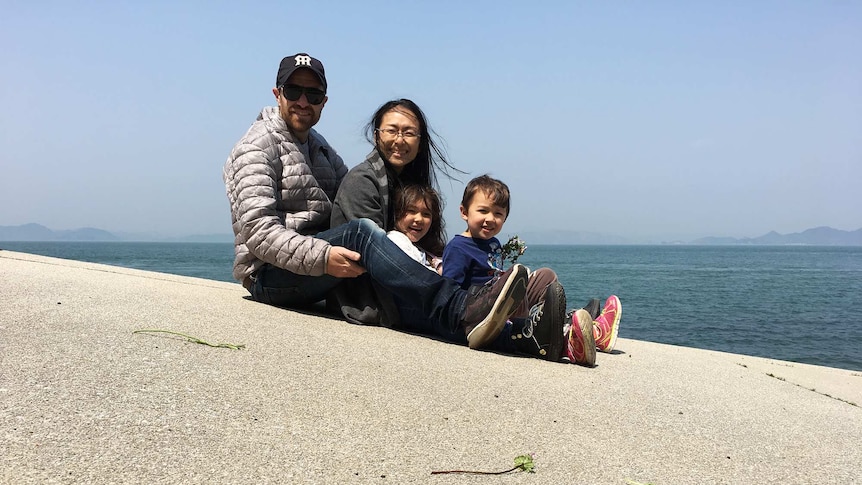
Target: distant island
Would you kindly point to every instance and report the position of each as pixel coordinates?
(38, 232)
(818, 236)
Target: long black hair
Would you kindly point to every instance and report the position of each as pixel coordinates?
(430, 158)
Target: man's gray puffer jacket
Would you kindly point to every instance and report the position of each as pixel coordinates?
(278, 200)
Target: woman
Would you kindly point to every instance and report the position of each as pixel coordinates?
(404, 153)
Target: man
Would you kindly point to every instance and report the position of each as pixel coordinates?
(281, 178)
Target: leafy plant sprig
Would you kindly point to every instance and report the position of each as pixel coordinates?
(513, 249)
(194, 339)
(523, 463)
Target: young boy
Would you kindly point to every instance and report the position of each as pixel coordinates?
(539, 324)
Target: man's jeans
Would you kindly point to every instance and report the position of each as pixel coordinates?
(427, 302)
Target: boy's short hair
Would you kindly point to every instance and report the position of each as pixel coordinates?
(491, 187)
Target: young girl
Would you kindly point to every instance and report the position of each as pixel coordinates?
(419, 225)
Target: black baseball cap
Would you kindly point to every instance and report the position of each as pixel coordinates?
(299, 61)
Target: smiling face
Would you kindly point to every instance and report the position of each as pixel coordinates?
(415, 221)
(300, 115)
(484, 217)
(394, 140)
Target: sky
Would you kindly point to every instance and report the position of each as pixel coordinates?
(645, 120)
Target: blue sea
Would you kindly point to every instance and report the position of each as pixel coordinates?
(796, 303)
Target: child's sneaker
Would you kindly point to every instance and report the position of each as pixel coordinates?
(607, 325)
(487, 306)
(581, 348)
(541, 334)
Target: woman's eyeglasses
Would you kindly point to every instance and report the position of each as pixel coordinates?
(392, 133)
(292, 92)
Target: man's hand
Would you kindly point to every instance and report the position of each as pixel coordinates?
(343, 263)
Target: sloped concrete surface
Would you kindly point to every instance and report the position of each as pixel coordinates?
(315, 400)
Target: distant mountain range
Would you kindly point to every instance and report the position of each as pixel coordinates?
(818, 236)
(38, 232)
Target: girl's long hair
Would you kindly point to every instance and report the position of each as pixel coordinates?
(435, 240)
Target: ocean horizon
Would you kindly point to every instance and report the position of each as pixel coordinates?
(794, 303)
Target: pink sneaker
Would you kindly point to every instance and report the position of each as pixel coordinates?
(581, 348)
(607, 325)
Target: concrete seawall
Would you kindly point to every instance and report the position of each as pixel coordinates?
(315, 400)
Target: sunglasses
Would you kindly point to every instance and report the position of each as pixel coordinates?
(292, 92)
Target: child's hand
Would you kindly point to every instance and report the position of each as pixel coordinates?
(437, 263)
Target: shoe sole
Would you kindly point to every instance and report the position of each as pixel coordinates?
(615, 326)
(551, 324)
(585, 323)
(510, 297)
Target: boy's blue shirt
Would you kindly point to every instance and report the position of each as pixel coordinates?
(472, 261)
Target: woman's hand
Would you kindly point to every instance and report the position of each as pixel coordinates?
(343, 263)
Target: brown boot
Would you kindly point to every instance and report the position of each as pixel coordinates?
(489, 305)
